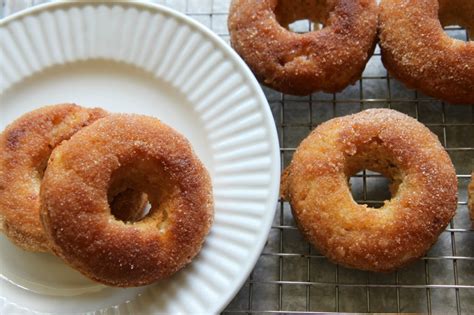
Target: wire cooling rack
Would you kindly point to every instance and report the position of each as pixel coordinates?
(291, 276)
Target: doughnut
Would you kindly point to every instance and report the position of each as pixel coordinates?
(417, 51)
(25, 146)
(326, 60)
(470, 195)
(132, 152)
(423, 187)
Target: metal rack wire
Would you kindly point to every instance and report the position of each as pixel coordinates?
(290, 275)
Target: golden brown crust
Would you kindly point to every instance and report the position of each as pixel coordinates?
(325, 60)
(417, 51)
(25, 146)
(148, 156)
(470, 195)
(424, 189)
(284, 184)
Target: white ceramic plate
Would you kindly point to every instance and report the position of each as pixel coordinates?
(140, 58)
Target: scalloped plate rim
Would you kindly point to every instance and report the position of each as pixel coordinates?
(230, 53)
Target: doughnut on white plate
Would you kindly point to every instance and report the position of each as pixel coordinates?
(146, 59)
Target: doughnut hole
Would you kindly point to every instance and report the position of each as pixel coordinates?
(129, 205)
(455, 14)
(373, 157)
(372, 189)
(300, 16)
(140, 193)
(304, 26)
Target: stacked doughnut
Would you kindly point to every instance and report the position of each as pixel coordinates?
(75, 181)
(25, 146)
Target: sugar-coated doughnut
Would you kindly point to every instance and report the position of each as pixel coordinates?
(322, 60)
(417, 51)
(423, 187)
(116, 153)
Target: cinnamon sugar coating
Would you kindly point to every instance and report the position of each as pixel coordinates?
(322, 60)
(114, 154)
(417, 51)
(25, 146)
(423, 187)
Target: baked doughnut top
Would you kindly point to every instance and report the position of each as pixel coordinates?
(417, 51)
(117, 152)
(322, 60)
(424, 187)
